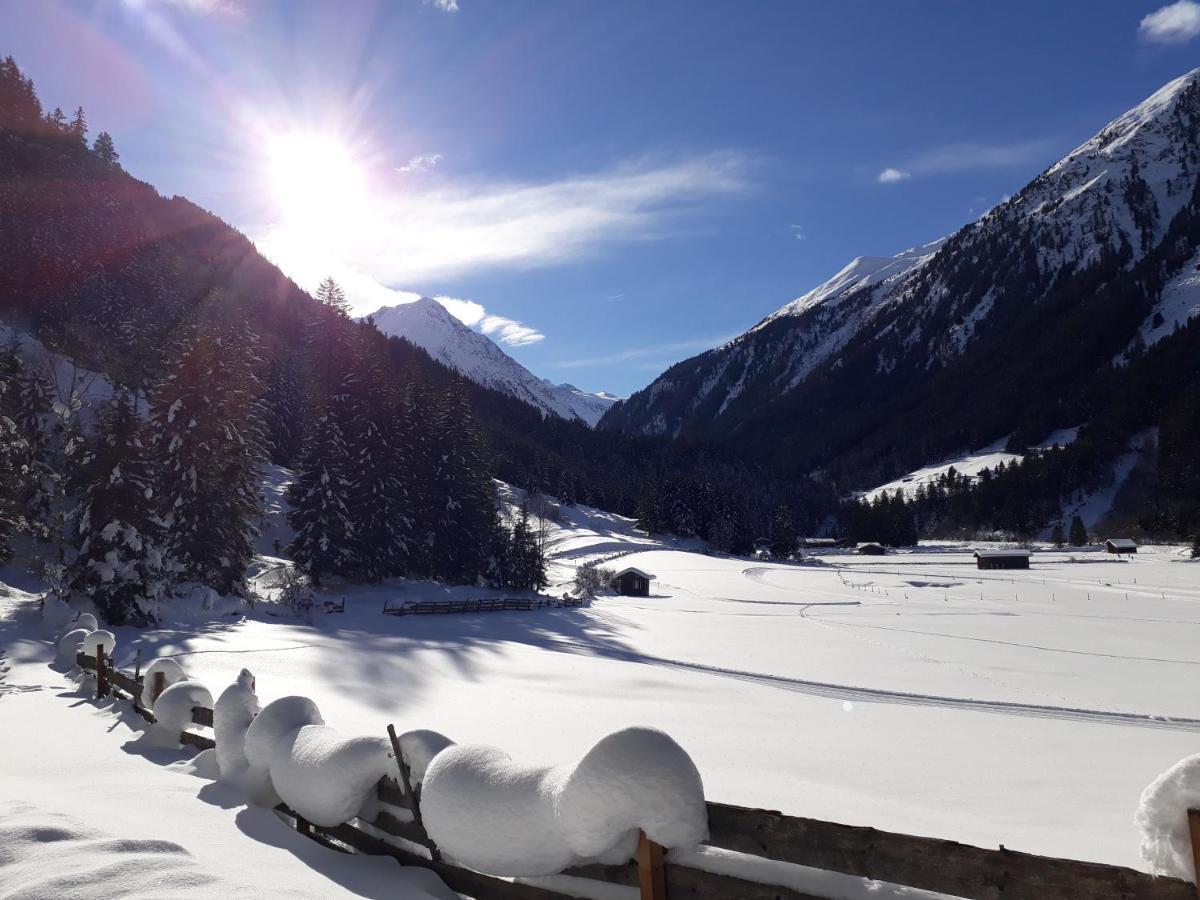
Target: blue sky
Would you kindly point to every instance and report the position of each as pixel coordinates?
(606, 187)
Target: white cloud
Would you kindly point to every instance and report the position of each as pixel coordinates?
(444, 5)
(422, 162)
(1176, 23)
(498, 328)
(798, 232)
(969, 156)
(640, 357)
(891, 176)
(434, 230)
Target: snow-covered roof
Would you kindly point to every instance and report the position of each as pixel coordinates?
(1123, 543)
(995, 554)
(635, 571)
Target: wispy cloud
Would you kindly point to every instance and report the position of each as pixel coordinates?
(655, 356)
(443, 5)
(798, 232)
(423, 162)
(435, 229)
(1176, 23)
(498, 328)
(968, 156)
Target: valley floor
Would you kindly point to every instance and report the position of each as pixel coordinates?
(910, 692)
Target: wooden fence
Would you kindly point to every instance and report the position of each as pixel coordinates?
(487, 604)
(755, 836)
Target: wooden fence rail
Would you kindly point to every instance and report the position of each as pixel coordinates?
(486, 604)
(932, 864)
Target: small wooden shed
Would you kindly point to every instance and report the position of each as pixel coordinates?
(820, 543)
(632, 582)
(870, 548)
(1120, 545)
(1002, 559)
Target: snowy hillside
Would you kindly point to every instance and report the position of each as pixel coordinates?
(1107, 234)
(432, 327)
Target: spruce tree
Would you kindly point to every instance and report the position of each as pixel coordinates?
(330, 294)
(321, 498)
(207, 424)
(119, 564)
(105, 150)
(1056, 535)
(1079, 535)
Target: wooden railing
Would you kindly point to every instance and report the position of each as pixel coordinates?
(755, 835)
(487, 604)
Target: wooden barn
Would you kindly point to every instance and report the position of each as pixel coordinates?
(870, 548)
(820, 543)
(1120, 545)
(1002, 559)
(632, 582)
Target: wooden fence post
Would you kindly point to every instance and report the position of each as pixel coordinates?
(1194, 828)
(160, 685)
(101, 674)
(414, 796)
(652, 874)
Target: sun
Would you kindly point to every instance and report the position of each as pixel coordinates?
(317, 183)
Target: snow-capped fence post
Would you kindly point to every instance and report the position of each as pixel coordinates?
(412, 795)
(101, 673)
(652, 873)
(1194, 829)
(160, 685)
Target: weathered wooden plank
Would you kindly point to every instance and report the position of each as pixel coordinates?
(684, 882)
(202, 715)
(1194, 829)
(929, 863)
(626, 874)
(652, 876)
(200, 741)
(410, 831)
(391, 793)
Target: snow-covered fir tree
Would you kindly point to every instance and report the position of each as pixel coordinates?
(321, 496)
(119, 564)
(206, 422)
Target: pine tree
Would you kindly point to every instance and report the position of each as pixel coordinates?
(330, 294)
(1057, 538)
(524, 564)
(78, 126)
(783, 532)
(321, 497)
(1079, 535)
(119, 564)
(207, 426)
(105, 150)
(57, 120)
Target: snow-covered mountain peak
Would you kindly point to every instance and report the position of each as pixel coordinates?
(441, 334)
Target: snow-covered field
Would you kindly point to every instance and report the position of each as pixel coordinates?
(910, 692)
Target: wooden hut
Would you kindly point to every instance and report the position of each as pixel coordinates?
(1002, 559)
(870, 548)
(632, 582)
(1120, 545)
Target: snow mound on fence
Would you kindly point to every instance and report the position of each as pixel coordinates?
(1162, 819)
(56, 614)
(45, 854)
(638, 778)
(172, 672)
(234, 711)
(69, 644)
(105, 639)
(326, 777)
(278, 721)
(86, 620)
(173, 708)
(493, 815)
(419, 748)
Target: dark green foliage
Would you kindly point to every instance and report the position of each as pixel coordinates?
(1078, 535)
(321, 497)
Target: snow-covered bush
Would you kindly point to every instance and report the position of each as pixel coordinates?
(173, 708)
(325, 776)
(591, 578)
(277, 722)
(95, 639)
(234, 711)
(638, 778)
(69, 645)
(1162, 819)
(493, 815)
(171, 672)
(296, 593)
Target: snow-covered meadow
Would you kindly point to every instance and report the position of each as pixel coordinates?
(910, 692)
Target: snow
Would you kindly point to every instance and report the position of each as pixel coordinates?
(234, 711)
(86, 621)
(1162, 819)
(327, 777)
(432, 327)
(419, 748)
(171, 672)
(97, 639)
(276, 724)
(173, 708)
(968, 464)
(637, 778)
(69, 645)
(492, 814)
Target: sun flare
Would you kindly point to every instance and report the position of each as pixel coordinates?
(316, 181)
